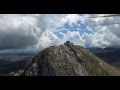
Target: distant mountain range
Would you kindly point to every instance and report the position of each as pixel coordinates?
(110, 55)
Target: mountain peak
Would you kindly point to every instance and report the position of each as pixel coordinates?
(68, 60)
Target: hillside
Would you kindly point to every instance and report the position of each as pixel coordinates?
(68, 60)
(109, 55)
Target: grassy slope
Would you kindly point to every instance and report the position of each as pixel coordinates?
(74, 61)
(96, 66)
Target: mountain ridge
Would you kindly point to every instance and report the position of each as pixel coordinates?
(68, 60)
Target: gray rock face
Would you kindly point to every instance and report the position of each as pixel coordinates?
(68, 60)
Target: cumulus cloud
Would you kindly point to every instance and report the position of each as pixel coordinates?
(73, 36)
(48, 39)
(104, 35)
(20, 31)
(17, 31)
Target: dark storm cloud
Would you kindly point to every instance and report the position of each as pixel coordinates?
(17, 32)
(18, 40)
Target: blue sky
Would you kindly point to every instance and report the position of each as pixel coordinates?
(38, 31)
(82, 28)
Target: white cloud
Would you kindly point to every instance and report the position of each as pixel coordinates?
(73, 36)
(19, 31)
(63, 34)
(47, 39)
(23, 31)
(89, 29)
(105, 35)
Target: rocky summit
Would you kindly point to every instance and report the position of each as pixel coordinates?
(68, 60)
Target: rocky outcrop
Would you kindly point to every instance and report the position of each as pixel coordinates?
(68, 60)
